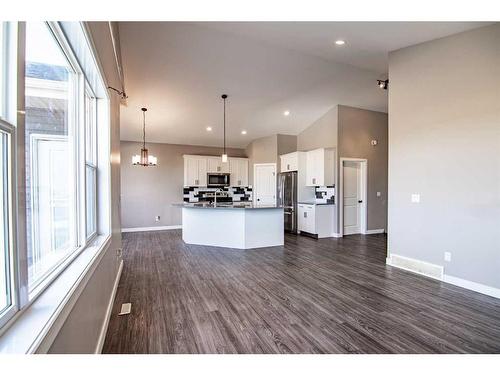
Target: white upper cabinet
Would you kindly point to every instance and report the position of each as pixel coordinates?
(320, 167)
(238, 167)
(215, 165)
(195, 170)
(289, 162)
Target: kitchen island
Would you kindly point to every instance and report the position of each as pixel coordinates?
(238, 225)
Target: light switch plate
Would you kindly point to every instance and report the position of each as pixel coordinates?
(415, 198)
(447, 256)
(379, 194)
(126, 308)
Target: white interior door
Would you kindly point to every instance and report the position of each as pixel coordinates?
(265, 183)
(352, 197)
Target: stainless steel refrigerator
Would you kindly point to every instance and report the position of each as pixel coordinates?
(287, 197)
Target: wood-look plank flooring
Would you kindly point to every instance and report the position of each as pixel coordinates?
(310, 296)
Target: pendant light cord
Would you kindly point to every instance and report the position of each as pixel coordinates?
(224, 125)
(143, 129)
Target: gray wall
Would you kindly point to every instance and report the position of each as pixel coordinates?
(150, 191)
(349, 130)
(286, 144)
(444, 144)
(357, 127)
(261, 150)
(268, 149)
(322, 133)
(80, 332)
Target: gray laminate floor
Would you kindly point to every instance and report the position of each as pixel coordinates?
(310, 296)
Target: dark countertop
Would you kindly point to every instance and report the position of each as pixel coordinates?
(317, 204)
(227, 205)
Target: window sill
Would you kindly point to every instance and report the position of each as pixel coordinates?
(34, 328)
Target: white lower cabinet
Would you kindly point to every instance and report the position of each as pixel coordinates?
(316, 219)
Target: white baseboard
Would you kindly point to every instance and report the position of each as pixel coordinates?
(336, 235)
(437, 272)
(471, 285)
(147, 229)
(104, 328)
(417, 266)
(374, 231)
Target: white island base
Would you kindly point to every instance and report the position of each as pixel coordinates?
(238, 228)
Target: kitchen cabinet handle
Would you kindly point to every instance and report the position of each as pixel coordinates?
(314, 180)
(305, 214)
(288, 166)
(218, 169)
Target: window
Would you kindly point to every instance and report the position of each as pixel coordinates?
(51, 91)
(90, 163)
(5, 253)
(3, 54)
(66, 109)
(8, 301)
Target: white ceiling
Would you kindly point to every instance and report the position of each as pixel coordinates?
(179, 70)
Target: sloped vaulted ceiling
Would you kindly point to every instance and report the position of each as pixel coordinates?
(179, 70)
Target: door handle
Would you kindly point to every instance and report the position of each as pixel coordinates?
(360, 201)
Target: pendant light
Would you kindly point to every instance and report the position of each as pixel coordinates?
(224, 154)
(144, 158)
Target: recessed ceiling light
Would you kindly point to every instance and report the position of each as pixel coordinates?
(340, 42)
(243, 132)
(209, 128)
(286, 113)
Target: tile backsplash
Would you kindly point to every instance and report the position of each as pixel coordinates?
(200, 194)
(325, 194)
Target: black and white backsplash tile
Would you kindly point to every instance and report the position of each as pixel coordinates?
(325, 194)
(234, 194)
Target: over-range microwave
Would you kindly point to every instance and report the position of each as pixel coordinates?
(218, 179)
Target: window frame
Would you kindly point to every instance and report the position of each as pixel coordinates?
(93, 164)
(10, 311)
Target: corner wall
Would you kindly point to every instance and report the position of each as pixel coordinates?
(357, 128)
(350, 130)
(322, 133)
(261, 150)
(444, 144)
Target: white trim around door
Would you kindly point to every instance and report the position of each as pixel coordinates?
(364, 189)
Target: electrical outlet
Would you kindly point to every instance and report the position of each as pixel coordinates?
(447, 256)
(379, 193)
(157, 218)
(415, 198)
